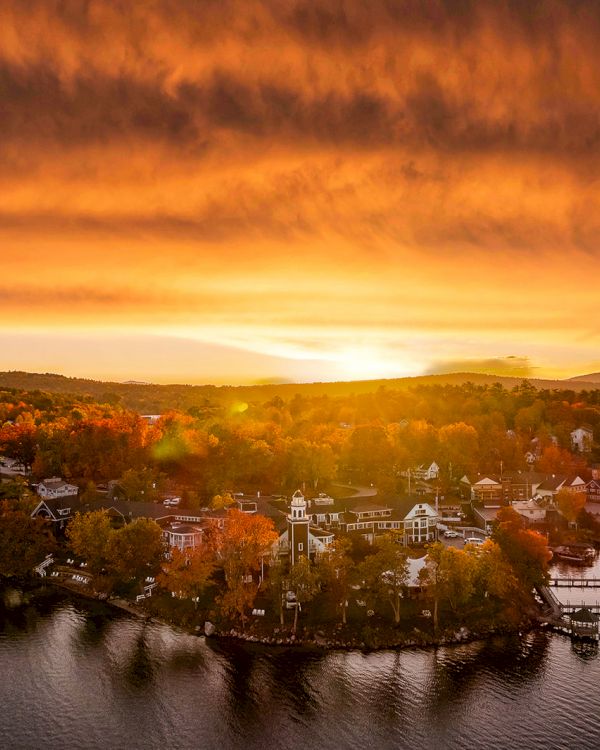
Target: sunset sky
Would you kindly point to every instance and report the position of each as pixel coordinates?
(215, 191)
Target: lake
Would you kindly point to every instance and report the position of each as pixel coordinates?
(82, 675)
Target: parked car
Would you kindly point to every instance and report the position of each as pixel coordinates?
(451, 534)
(474, 540)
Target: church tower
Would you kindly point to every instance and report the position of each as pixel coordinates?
(297, 523)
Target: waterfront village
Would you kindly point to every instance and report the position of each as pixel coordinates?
(445, 551)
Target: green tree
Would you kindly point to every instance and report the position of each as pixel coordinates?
(24, 542)
(136, 550)
(385, 573)
(335, 568)
(304, 582)
(449, 575)
(277, 584)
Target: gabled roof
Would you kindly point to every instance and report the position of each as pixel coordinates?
(584, 615)
(486, 481)
(55, 505)
(414, 511)
(55, 483)
(553, 483)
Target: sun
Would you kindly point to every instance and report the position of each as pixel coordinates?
(370, 363)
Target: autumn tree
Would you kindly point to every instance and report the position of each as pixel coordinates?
(88, 536)
(570, 504)
(187, 572)
(526, 551)
(223, 500)
(495, 581)
(385, 573)
(555, 460)
(242, 545)
(19, 441)
(24, 542)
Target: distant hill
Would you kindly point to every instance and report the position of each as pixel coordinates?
(148, 398)
(593, 377)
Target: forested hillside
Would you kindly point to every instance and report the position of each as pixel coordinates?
(278, 444)
(147, 398)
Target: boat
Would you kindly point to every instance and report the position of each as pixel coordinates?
(575, 554)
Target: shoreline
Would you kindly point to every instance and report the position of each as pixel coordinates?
(461, 636)
(320, 641)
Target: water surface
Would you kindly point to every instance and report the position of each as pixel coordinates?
(76, 675)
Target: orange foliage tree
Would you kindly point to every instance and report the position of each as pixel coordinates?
(245, 540)
(188, 571)
(526, 551)
(570, 504)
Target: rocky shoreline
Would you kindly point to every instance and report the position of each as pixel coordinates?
(340, 639)
(319, 641)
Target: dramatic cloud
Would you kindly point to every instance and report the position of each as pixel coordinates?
(400, 182)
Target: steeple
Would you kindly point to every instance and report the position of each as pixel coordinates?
(298, 506)
(298, 522)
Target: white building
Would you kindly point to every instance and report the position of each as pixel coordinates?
(183, 536)
(582, 439)
(420, 524)
(56, 487)
(530, 510)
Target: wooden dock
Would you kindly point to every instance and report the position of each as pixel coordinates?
(575, 583)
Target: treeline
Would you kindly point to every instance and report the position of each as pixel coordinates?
(149, 398)
(277, 445)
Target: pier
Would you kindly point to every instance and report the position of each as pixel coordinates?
(575, 583)
(578, 620)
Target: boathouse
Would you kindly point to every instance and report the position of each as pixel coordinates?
(584, 623)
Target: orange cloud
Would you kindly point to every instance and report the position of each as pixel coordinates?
(413, 181)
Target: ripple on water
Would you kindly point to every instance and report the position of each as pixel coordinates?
(95, 680)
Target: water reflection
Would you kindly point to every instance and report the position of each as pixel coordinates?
(79, 677)
(585, 650)
(141, 666)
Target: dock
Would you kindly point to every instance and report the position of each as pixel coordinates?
(577, 620)
(575, 583)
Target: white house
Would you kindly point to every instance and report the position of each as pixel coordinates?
(530, 510)
(56, 487)
(420, 524)
(582, 439)
(428, 473)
